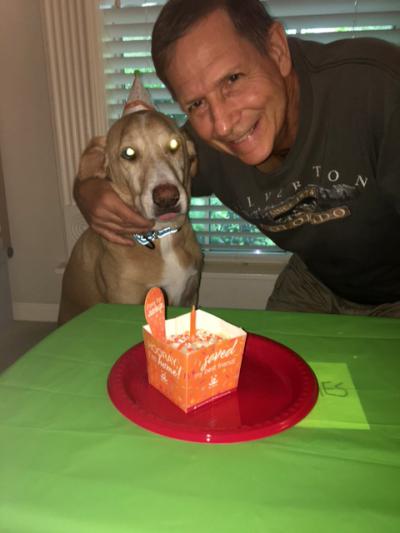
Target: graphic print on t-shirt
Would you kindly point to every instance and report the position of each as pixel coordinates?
(313, 204)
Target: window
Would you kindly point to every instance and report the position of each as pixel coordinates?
(127, 26)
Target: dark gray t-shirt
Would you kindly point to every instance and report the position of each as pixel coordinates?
(335, 201)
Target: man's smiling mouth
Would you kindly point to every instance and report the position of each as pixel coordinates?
(245, 136)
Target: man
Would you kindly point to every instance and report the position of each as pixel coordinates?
(300, 139)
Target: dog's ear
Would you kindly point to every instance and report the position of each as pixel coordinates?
(94, 161)
(191, 151)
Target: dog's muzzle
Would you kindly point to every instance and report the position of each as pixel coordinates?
(147, 239)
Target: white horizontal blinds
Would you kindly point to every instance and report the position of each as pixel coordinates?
(218, 229)
(126, 47)
(339, 18)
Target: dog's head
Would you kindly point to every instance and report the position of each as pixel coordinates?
(150, 163)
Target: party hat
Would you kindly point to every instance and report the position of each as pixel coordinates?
(139, 97)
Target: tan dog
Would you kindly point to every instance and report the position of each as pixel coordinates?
(150, 163)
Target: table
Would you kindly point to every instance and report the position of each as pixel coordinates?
(71, 463)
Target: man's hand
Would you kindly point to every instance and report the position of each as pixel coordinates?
(106, 213)
(101, 206)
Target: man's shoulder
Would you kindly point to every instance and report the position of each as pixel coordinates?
(370, 52)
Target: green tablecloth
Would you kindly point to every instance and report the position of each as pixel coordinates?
(71, 463)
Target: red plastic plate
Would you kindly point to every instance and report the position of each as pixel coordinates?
(276, 390)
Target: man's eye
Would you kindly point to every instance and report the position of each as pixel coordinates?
(128, 153)
(233, 77)
(194, 106)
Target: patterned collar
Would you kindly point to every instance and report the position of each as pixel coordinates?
(147, 239)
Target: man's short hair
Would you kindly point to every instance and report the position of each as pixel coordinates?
(249, 17)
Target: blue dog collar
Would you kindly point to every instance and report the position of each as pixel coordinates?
(147, 239)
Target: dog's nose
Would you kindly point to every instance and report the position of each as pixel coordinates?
(166, 195)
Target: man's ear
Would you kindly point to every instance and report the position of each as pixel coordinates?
(278, 48)
(192, 155)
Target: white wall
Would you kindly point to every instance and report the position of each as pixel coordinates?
(239, 284)
(29, 166)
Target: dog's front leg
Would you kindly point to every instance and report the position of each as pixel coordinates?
(121, 290)
(119, 283)
(190, 295)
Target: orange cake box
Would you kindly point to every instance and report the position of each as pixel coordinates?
(192, 371)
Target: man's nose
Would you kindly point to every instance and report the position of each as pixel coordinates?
(224, 116)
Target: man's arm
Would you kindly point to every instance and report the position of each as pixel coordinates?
(389, 160)
(100, 205)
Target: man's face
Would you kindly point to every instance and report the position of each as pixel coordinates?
(235, 97)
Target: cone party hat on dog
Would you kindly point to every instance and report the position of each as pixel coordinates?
(139, 97)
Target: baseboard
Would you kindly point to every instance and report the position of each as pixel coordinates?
(35, 312)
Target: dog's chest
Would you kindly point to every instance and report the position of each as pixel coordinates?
(175, 274)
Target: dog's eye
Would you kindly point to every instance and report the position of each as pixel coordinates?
(128, 153)
(173, 145)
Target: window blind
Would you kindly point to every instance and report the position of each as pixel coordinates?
(127, 27)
